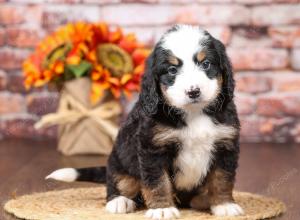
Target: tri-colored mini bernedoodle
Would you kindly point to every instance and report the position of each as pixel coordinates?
(179, 145)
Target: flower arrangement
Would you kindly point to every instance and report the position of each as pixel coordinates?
(113, 61)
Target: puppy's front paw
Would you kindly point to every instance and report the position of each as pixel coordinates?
(120, 204)
(227, 209)
(163, 213)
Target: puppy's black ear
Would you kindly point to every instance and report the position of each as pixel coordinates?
(225, 64)
(149, 97)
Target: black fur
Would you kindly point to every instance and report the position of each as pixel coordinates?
(92, 174)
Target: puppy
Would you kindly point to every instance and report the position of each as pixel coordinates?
(179, 146)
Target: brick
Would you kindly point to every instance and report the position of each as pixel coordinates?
(256, 2)
(21, 37)
(240, 41)
(250, 130)
(210, 1)
(3, 80)
(206, 15)
(253, 2)
(54, 16)
(159, 31)
(19, 14)
(2, 37)
(170, 14)
(30, 14)
(41, 104)
(183, 1)
(12, 58)
(144, 34)
(193, 1)
(292, 104)
(250, 32)
(11, 103)
(22, 126)
(295, 59)
(287, 83)
(286, 1)
(63, 1)
(288, 36)
(223, 33)
(258, 58)
(17, 127)
(33, 17)
(245, 104)
(272, 73)
(296, 133)
(280, 14)
(140, 1)
(250, 37)
(11, 15)
(118, 14)
(276, 130)
(252, 83)
(15, 83)
(28, 1)
(279, 105)
(101, 1)
(270, 106)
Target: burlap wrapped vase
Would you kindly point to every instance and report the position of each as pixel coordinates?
(83, 128)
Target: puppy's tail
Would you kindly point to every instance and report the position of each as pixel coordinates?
(89, 174)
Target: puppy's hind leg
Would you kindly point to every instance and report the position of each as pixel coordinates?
(159, 199)
(121, 189)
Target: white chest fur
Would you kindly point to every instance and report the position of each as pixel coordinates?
(195, 157)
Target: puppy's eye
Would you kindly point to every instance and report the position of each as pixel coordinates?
(205, 65)
(172, 70)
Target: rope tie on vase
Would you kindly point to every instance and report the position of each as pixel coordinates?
(101, 114)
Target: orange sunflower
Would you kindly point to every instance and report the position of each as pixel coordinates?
(114, 61)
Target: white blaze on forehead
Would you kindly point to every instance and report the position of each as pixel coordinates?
(184, 42)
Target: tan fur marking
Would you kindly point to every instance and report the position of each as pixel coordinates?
(160, 196)
(163, 135)
(201, 200)
(173, 60)
(220, 187)
(216, 190)
(127, 185)
(220, 81)
(227, 133)
(201, 56)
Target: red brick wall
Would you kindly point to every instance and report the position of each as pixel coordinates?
(263, 39)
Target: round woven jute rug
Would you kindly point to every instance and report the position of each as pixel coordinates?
(89, 203)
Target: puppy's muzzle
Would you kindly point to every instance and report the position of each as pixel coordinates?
(193, 93)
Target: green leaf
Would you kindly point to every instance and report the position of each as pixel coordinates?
(80, 69)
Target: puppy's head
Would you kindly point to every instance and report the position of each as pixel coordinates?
(188, 69)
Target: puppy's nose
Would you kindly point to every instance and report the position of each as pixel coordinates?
(194, 93)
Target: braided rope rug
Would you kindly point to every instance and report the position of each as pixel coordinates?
(89, 203)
